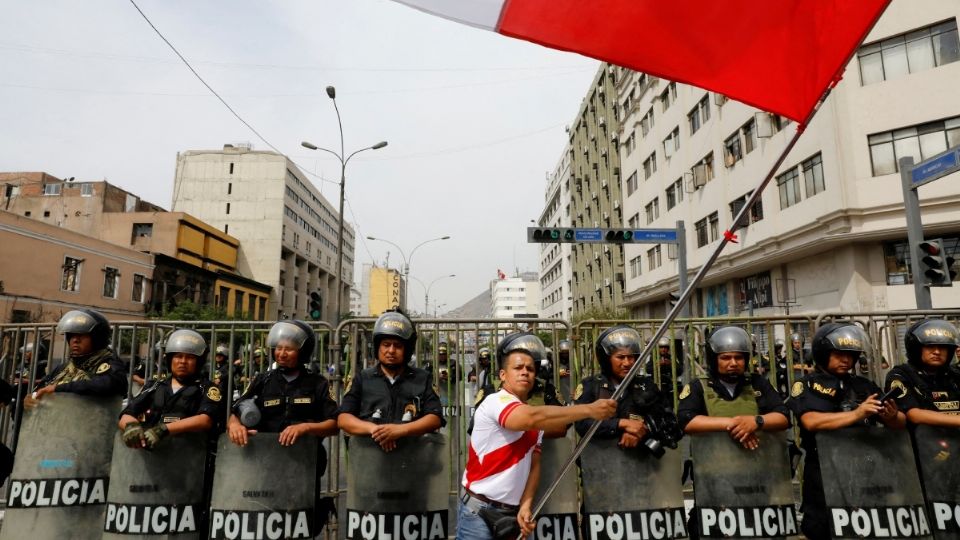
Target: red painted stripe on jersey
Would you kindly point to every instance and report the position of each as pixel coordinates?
(501, 459)
(506, 412)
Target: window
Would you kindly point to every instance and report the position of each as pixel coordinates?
(703, 170)
(632, 183)
(141, 230)
(646, 123)
(920, 142)
(251, 306)
(755, 214)
(714, 220)
(111, 280)
(224, 294)
(231, 168)
(701, 228)
(699, 115)
(86, 190)
(238, 304)
(672, 143)
(634, 221)
(229, 188)
(228, 208)
(749, 136)
(635, 266)
(653, 257)
(732, 151)
(789, 184)
(915, 51)
(649, 166)
(897, 259)
(813, 175)
(52, 189)
(262, 312)
(137, 294)
(653, 210)
(631, 143)
(668, 96)
(71, 274)
(46, 213)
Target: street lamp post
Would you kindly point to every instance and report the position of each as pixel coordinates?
(426, 291)
(332, 93)
(406, 262)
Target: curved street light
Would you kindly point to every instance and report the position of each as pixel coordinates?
(426, 293)
(332, 93)
(406, 261)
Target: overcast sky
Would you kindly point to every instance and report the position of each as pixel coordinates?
(474, 120)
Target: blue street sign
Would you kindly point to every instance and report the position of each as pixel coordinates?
(655, 235)
(935, 167)
(588, 235)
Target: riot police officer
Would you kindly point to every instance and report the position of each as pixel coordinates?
(830, 398)
(928, 390)
(483, 374)
(180, 402)
(642, 408)
(292, 401)
(22, 376)
(730, 399)
(392, 399)
(91, 367)
(663, 363)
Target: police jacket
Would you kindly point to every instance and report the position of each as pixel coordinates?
(100, 374)
(641, 399)
(373, 398)
(938, 391)
(752, 395)
(823, 392)
(159, 403)
(282, 403)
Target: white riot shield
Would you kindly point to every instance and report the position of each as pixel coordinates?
(400, 494)
(558, 520)
(630, 493)
(938, 455)
(264, 490)
(157, 493)
(742, 493)
(61, 473)
(870, 484)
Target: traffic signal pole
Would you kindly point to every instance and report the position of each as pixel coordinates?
(911, 205)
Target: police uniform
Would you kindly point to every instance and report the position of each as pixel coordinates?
(667, 385)
(753, 395)
(823, 392)
(159, 403)
(641, 399)
(372, 397)
(282, 403)
(938, 391)
(100, 373)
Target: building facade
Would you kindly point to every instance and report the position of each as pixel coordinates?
(514, 297)
(829, 232)
(556, 285)
(381, 289)
(286, 228)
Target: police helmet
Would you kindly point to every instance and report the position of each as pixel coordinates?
(664, 342)
(727, 339)
(524, 342)
(86, 321)
(484, 355)
(611, 340)
(930, 332)
(442, 348)
(28, 348)
(778, 344)
(846, 337)
(394, 324)
(796, 337)
(297, 333)
(564, 346)
(221, 350)
(185, 341)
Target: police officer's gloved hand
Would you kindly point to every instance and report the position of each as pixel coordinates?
(132, 434)
(154, 435)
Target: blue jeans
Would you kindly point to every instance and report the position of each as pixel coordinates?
(471, 526)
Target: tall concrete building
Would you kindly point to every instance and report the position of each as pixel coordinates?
(597, 272)
(380, 289)
(829, 233)
(556, 285)
(287, 229)
(517, 296)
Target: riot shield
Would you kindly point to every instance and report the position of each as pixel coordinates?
(937, 450)
(742, 493)
(157, 493)
(400, 494)
(630, 493)
(60, 476)
(870, 484)
(558, 518)
(264, 490)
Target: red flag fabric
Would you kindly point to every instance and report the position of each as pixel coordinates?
(500, 274)
(776, 55)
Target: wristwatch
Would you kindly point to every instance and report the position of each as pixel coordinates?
(759, 420)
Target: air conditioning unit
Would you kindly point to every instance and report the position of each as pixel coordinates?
(595, 165)
(699, 175)
(606, 249)
(616, 171)
(603, 183)
(566, 128)
(606, 282)
(613, 138)
(601, 91)
(764, 121)
(593, 137)
(598, 288)
(719, 99)
(603, 152)
(668, 149)
(593, 195)
(728, 158)
(688, 182)
(606, 217)
(620, 276)
(616, 204)
(601, 121)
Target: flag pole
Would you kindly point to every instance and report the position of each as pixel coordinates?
(728, 236)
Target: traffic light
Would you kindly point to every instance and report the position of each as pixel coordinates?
(619, 235)
(549, 235)
(936, 265)
(316, 306)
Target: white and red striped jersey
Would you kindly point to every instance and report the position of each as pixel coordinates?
(499, 461)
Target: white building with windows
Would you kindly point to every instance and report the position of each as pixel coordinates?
(517, 296)
(556, 289)
(829, 232)
(287, 229)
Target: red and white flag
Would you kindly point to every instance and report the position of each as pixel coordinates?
(500, 274)
(777, 55)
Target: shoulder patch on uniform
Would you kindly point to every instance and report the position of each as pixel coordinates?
(333, 396)
(348, 382)
(213, 393)
(559, 397)
(104, 367)
(479, 398)
(901, 388)
(685, 392)
(824, 390)
(796, 389)
(578, 392)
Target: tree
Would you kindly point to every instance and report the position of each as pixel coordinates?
(601, 314)
(187, 310)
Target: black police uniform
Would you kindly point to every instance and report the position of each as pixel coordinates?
(8, 394)
(282, 403)
(159, 403)
(693, 403)
(642, 399)
(822, 392)
(100, 373)
(373, 398)
(667, 385)
(938, 391)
